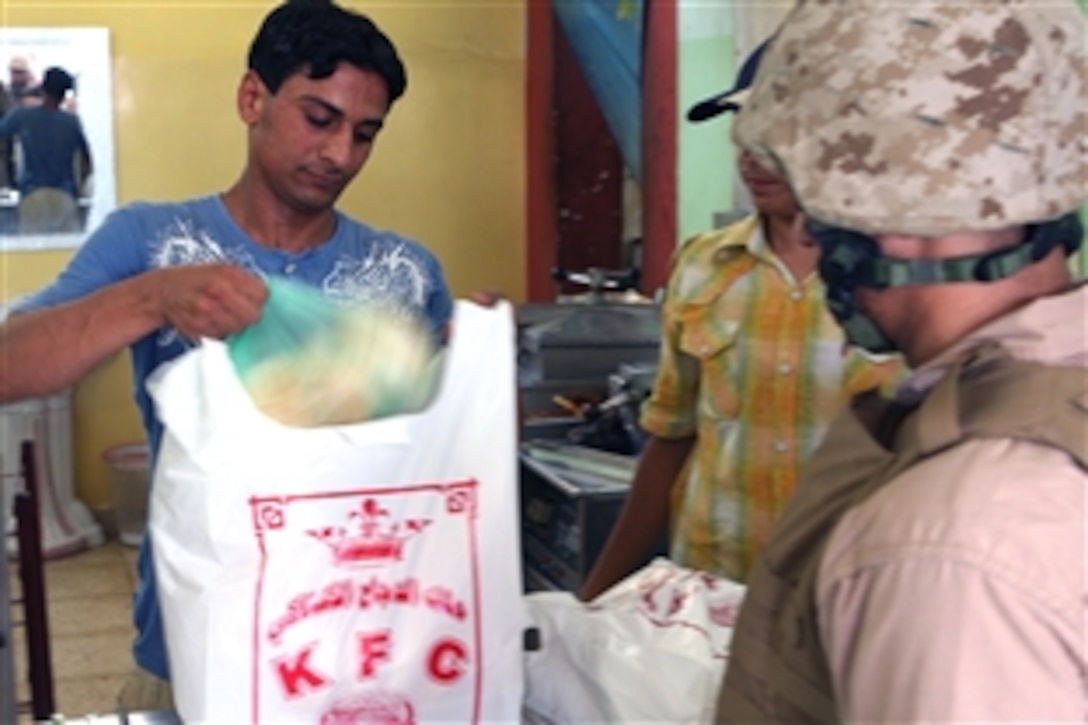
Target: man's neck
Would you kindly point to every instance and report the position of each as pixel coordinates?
(780, 232)
(786, 240)
(270, 223)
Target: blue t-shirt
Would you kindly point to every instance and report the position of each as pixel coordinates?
(50, 140)
(357, 263)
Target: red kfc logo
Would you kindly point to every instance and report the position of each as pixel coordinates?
(448, 661)
(374, 648)
(295, 675)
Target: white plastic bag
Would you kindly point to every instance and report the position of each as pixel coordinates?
(365, 573)
(651, 649)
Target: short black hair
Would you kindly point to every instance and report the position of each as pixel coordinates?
(57, 82)
(314, 36)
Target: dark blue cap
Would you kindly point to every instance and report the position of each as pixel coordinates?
(732, 99)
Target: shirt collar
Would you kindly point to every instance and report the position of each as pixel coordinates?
(744, 236)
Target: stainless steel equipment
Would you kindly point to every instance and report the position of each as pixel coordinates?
(612, 425)
(587, 341)
(584, 366)
(569, 351)
(600, 285)
(563, 509)
(587, 335)
(571, 496)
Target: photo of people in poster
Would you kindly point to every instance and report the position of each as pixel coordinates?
(56, 139)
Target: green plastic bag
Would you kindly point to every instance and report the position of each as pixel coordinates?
(311, 362)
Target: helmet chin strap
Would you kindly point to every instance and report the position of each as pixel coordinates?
(1039, 242)
(850, 260)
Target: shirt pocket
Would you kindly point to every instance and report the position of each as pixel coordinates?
(713, 342)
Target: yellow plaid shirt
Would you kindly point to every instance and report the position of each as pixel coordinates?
(754, 365)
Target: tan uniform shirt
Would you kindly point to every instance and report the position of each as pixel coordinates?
(959, 592)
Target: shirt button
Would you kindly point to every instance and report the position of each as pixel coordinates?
(290, 268)
(796, 295)
(785, 369)
(781, 446)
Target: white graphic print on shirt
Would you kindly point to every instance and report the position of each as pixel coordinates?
(182, 244)
(389, 274)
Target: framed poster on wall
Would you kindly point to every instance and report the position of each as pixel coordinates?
(58, 218)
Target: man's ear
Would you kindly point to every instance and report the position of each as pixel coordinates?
(252, 95)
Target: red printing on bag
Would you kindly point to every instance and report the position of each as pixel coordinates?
(662, 595)
(372, 542)
(370, 577)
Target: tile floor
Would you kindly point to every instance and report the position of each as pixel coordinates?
(89, 597)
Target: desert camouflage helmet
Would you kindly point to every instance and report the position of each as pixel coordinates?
(923, 117)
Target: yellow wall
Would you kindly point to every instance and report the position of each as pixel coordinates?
(448, 169)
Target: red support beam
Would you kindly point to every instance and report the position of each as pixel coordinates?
(659, 142)
(588, 172)
(542, 233)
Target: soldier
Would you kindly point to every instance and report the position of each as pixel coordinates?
(932, 566)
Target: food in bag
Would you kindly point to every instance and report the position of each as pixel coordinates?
(309, 361)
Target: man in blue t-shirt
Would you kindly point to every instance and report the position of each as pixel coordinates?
(155, 277)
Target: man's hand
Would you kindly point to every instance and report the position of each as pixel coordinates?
(210, 300)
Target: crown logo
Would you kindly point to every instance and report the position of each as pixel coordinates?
(371, 538)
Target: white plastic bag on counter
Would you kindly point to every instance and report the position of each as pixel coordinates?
(651, 649)
(366, 573)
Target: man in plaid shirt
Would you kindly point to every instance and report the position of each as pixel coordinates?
(753, 368)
